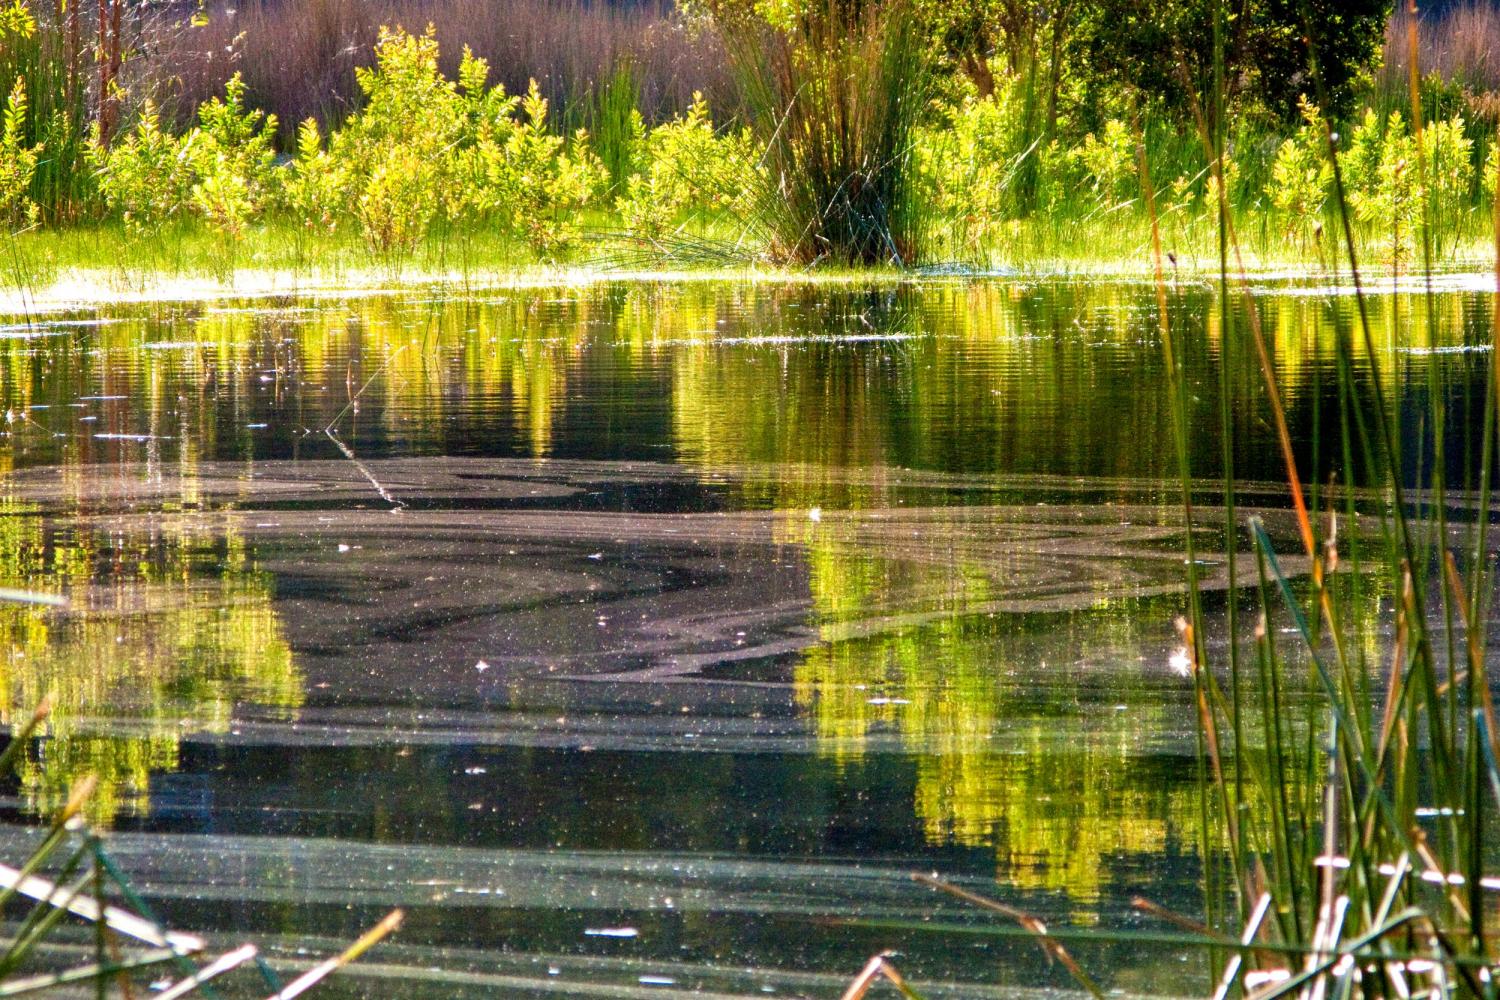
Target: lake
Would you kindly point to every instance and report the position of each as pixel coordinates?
(645, 637)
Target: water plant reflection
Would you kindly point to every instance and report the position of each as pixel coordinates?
(169, 624)
(1017, 749)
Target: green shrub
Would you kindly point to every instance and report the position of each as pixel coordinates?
(232, 160)
(967, 167)
(538, 180)
(146, 176)
(1301, 177)
(425, 149)
(392, 154)
(1109, 161)
(1383, 184)
(18, 161)
(687, 168)
(1448, 154)
(311, 186)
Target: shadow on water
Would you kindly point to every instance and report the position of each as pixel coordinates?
(653, 632)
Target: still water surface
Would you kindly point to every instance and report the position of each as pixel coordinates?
(645, 636)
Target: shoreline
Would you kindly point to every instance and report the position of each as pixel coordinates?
(93, 288)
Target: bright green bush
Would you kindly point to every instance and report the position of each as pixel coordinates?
(1109, 161)
(146, 176)
(1385, 172)
(425, 149)
(973, 162)
(310, 187)
(18, 161)
(1301, 177)
(392, 154)
(1448, 155)
(231, 159)
(686, 168)
(966, 170)
(538, 180)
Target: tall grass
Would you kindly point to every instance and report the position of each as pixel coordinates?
(835, 97)
(55, 61)
(298, 58)
(1459, 44)
(1350, 803)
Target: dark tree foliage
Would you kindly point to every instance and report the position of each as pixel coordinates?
(1165, 49)
(1161, 51)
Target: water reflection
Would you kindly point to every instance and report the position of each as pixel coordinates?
(169, 627)
(908, 555)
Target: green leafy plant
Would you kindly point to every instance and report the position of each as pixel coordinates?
(393, 152)
(311, 190)
(231, 159)
(1301, 177)
(145, 176)
(1108, 160)
(538, 180)
(18, 160)
(689, 170)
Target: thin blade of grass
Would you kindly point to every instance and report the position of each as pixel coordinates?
(323, 970)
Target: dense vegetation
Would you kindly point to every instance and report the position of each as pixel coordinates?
(886, 132)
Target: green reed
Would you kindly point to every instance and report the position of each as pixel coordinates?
(835, 99)
(1349, 803)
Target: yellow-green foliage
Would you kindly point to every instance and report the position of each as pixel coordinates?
(971, 162)
(146, 176)
(1383, 182)
(966, 170)
(1449, 164)
(310, 186)
(393, 152)
(426, 148)
(538, 180)
(232, 159)
(1301, 175)
(686, 167)
(1386, 173)
(16, 20)
(17, 161)
(1108, 159)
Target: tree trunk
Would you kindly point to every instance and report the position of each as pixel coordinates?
(977, 68)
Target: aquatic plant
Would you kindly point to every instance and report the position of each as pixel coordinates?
(1301, 177)
(232, 161)
(18, 160)
(69, 874)
(833, 92)
(1355, 858)
(146, 176)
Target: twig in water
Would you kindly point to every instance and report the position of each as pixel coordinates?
(878, 968)
(349, 452)
(323, 970)
(1050, 945)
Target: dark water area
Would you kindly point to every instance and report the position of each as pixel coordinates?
(645, 638)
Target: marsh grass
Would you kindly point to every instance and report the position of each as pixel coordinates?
(835, 99)
(299, 58)
(1349, 791)
(1349, 805)
(68, 877)
(51, 61)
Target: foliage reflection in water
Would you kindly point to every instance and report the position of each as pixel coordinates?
(904, 548)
